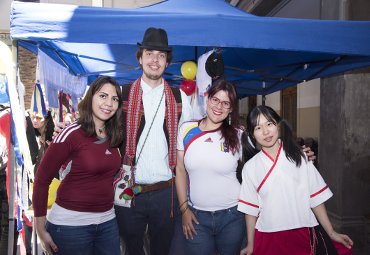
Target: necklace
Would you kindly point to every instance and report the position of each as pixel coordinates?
(101, 129)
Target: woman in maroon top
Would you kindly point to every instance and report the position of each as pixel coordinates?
(82, 219)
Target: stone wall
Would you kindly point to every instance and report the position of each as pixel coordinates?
(345, 137)
(344, 151)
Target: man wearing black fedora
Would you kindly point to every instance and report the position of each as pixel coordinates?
(152, 112)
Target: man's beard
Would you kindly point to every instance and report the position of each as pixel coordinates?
(154, 77)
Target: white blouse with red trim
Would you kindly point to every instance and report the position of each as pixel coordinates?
(280, 193)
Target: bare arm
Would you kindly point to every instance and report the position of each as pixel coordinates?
(322, 216)
(181, 178)
(181, 181)
(46, 241)
(251, 225)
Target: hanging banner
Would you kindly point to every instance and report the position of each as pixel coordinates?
(38, 102)
(5, 135)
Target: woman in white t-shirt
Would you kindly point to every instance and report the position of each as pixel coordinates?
(208, 190)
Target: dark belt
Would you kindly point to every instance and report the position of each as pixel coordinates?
(155, 186)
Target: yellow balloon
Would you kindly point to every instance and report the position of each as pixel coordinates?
(53, 191)
(189, 70)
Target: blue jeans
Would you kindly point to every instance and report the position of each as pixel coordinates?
(178, 239)
(100, 239)
(151, 209)
(222, 231)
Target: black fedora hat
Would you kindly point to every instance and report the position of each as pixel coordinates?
(155, 39)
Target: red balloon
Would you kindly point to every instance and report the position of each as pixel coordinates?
(188, 86)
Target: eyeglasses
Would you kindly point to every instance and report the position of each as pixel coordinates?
(216, 101)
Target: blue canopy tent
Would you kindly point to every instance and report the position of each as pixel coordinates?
(261, 54)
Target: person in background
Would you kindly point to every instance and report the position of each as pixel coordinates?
(206, 182)
(283, 194)
(82, 220)
(44, 128)
(31, 137)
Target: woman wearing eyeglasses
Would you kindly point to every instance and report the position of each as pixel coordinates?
(208, 190)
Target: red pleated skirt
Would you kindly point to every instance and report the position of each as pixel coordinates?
(302, 241)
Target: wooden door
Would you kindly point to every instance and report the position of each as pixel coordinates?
(289, 107)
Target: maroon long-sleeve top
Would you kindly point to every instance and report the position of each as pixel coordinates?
(88, 187)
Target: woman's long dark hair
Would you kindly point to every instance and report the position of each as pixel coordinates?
(228, 131)
(291, 148)
(113, 126)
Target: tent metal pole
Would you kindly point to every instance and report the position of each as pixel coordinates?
(263, 99)
(11, 220)
(12, 168)
(263, 96)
